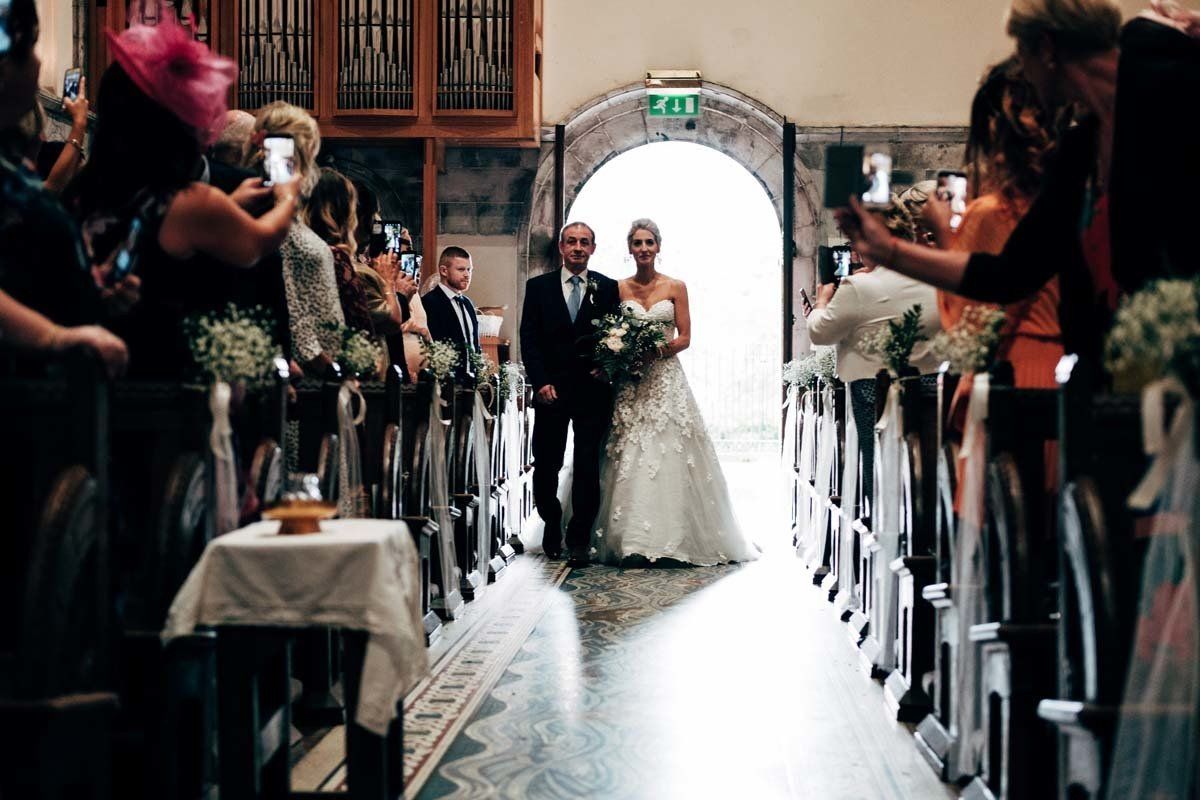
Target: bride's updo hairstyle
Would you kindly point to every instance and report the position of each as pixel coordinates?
(643, 225)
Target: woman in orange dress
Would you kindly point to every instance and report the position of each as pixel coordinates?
(1005, 149)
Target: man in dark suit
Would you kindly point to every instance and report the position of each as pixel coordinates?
(451, 314)
(557, 349)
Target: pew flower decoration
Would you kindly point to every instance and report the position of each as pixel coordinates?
(510, 376)
(970, 346)
(894, 341)
(1157, 330)
(798, 372)
(488, 379)
(625, 344)
(234, 346)
(440, 359)
(825, 363)
(360, 355)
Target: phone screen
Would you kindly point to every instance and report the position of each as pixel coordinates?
(877, 170)
(5, 37)
(279, 161)
(392, 236)
(841, 261)
(808, 306)
(953, 187)
(126, 257)
(71, 83)
(411, 264)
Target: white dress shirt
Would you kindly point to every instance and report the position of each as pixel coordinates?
(865, 302)
(464, 321)
(565, 275)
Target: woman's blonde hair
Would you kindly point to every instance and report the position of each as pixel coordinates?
(1077, 27)
(643, 225)
(331, 210)
(280, 117)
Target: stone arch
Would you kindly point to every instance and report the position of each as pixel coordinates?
(732, 123)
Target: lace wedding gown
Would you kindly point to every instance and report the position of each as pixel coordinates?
(663, 494)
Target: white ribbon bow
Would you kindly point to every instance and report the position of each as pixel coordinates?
(220, 441)
(1160, 440)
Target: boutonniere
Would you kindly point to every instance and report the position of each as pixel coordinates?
(593, 287)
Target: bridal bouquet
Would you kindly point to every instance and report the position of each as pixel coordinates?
(623, 342)
(894, 342)
(234, 346)
(971, 345)
(1156, 330)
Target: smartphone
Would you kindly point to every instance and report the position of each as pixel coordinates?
(952, 186)
(841, 260)
(71, 83)
(279, 159)
(877, 174)
(411, 265)
(378, 242)
(126, 257)
(5, 36)
(392, 236)
(808, 306)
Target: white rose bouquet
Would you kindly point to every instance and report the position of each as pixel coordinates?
(234, 346)
(623, 342)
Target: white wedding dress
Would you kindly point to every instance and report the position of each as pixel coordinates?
(663, 494)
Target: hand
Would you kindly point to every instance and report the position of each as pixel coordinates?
(294, 369)
(865, 232)
(547, 395)
(252, 196)
(405, 241)
(110, 348)
(286, 192)
(935, 216)
(825, 293)
(123, 295)
(405, 285)
(387, 265)
(77, 109)
(412, 326)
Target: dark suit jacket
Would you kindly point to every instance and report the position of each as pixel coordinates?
(554, 350)
(444, 327)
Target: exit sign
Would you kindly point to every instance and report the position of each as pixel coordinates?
(674, 105)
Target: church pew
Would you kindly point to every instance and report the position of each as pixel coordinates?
(872, 569)
(465, 495)
(806, 469)
(934, 738)
(56, 717)
(446, 571)
(791, 459)
(495, 428)
(835, 531)
(413, 500)
(1101, 461)
(1017, 644)
(916, 566)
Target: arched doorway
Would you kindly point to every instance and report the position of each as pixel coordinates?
(721, 236)
(734, 124)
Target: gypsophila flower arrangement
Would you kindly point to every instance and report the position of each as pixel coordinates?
(440, 359)
(622, 343)
(487, 376)
(360, 356)
(798, 372)
(970, 346)
(510, 375)
(1156, 330)
(825, 363)
(234, 345)
(894, 341)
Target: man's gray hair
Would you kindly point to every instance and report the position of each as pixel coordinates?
(563, 231)
(233, 143)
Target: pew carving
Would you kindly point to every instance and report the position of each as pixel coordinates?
(414, 492)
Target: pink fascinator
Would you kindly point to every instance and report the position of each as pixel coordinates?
(177, 72)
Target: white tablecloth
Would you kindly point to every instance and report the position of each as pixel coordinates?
(360, 574)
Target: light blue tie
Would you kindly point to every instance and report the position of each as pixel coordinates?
(576, 297)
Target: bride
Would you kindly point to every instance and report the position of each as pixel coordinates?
(663, 494)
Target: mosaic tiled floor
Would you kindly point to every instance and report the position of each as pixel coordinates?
(665, 683)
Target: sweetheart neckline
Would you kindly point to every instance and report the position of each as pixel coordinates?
(644, 308)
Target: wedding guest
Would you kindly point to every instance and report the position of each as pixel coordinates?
(396, 307)
(232, 146)
(56, 163)
(330, 213)
(32, 223)
(1006, 144)
(1069, 53)
(849, 313)
(452, 316)
(140, 204)
(314, 307)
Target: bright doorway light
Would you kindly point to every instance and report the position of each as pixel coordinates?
(721, 235)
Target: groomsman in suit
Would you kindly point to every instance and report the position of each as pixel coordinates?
(451, 313)
(556, 324)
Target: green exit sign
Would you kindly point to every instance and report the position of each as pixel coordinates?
(674, 105)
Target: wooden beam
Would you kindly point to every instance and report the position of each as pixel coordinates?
(429, 206)
(789, 226)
